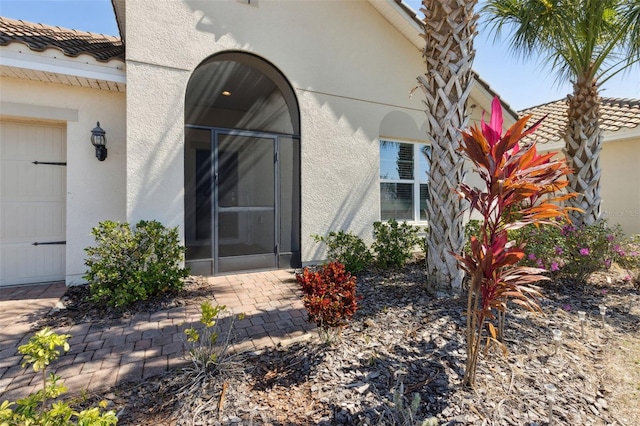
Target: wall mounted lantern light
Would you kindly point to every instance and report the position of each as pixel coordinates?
(99, 140)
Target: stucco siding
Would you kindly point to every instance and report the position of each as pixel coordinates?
(352, 84)
(620, 181)
(352, 73)
(95, 190)
(155, 136)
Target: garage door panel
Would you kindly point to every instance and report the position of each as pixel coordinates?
(30, 221)
(33, 202)
(40, 261)
(24, 181)
(44, 141)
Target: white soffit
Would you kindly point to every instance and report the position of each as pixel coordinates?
(119, 8)
(18, 61)
(401, 20)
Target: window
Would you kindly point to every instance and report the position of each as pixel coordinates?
(404, 173)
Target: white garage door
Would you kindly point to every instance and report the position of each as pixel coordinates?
(32, 202)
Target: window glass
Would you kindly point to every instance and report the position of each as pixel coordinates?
(425, 153)
(396, 201)
(424, 195)
(396, 160)
(404, 176)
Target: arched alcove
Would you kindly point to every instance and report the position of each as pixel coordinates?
(242, 167)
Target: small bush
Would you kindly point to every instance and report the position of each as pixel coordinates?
(41, 349)
(627, 252)
(348, 249)
(208, 345)
(207, 350)
(471, 229)
(130, 265)
(394, 242)
(329, 296)
(569, 251)
(402, 413)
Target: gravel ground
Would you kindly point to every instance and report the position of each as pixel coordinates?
(402, 343)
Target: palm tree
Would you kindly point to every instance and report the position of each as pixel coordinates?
(586, 42)
(449, 27)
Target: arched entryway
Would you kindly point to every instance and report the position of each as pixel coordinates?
(242, 167)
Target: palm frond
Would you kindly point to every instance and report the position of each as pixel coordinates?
(586, 39)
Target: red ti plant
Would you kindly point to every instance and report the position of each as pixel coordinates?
(521, 189)
(330, 298)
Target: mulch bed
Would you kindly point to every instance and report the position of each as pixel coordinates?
(402, 343)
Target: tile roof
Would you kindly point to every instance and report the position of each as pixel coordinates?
(616, 114)
(39, 37)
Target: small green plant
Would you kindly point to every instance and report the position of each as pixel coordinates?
(130, 265)
(402, 414)
(348, 249)
(205, 350)
(208, 347)
(330, 298)
(394, 242)
(43, 348)
(471, 229)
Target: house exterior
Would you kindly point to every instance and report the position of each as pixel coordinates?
(619, 158)
(249, 125)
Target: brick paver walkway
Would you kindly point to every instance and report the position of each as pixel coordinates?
(146, 345)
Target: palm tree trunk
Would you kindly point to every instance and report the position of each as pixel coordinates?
(583, 143)
(449, 27)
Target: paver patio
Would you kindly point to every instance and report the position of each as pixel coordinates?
(145, 345)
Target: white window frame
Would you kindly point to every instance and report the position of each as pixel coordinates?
(416, 181)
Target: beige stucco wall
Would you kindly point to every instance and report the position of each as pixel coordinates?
(352, 73)
(620, 178)
(620, 164)
(95, 190)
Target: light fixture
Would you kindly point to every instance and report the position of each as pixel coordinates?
(582, 315)
(226, 93)
(551, 399)
(603, 312)
(557, 336)
(99, 140)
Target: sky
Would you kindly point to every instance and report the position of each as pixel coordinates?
(520, 83)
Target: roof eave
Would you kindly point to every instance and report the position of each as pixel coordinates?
(82, 69)
(405, 20)
(119, 10)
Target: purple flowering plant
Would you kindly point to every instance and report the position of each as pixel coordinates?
(572, 252)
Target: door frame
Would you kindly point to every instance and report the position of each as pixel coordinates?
(235, 263)
(230, 264)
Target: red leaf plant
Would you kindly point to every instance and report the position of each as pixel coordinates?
(330, 297)
(521, 187)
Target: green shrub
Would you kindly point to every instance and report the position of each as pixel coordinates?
(569, 251)
(348, 249)
(471, 229)
(130, 265)
(42, 348)
(394, 242)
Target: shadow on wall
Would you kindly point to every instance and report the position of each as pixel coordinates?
(399, 124)
(350, 207)
(341, 113)
(345, 106)
(151, 173)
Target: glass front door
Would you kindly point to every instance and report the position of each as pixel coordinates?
(242, 200)
(245, 208)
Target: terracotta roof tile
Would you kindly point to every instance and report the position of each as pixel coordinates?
(616, 114)
(39, 37)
